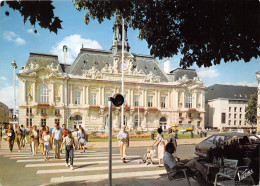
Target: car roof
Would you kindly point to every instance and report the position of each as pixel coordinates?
(232, 134)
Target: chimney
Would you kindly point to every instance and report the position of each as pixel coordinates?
(65, 49)
(166, 65)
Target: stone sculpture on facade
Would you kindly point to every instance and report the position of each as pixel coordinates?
(93, 73)
(151, 78)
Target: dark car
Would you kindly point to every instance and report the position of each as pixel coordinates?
(221, 138)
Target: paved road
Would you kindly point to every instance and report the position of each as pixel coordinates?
(24, 169)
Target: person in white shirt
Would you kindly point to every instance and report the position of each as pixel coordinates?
(123, 138)
(46, 142)
(57, 139)
(195, 167)
(75, 135)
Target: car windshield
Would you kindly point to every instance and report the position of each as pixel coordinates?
(216, 139)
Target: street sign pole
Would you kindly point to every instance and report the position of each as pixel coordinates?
(110, 142)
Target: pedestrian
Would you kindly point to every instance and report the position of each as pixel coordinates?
(64, 134)
(10, 137)
(47, 129)
(57, 139)
(75, 135)
(46, 142)
(82, 139)
(172, 139)
(160, 145)
(123, 138)
(69, 141)
(23, 136)
(19, 136)
(198, 170)
(34, 139)
(41, 140)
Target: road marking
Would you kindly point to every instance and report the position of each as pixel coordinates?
(75, 163)
(81, 158)
(53, 171)
(52, 154)
(105, 176)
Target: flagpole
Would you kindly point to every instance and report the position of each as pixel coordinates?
(123, 68)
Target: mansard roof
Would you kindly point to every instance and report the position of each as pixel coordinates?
(174, 75)
(233, 92)
(87, 58)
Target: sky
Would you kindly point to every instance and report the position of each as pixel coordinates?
(17, 40)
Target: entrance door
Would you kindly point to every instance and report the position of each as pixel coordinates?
(163, 123)
(77, 121)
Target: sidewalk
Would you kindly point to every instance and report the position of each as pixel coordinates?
(94, 145)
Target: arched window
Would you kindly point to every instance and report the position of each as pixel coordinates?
(77, 121)
(163, 123)
(188, 103)
(43, 94)
(77, 117)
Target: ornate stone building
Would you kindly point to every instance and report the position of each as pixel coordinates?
(77, 94)
(258, 100)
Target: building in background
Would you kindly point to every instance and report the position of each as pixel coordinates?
(4, 114)
(258, 101)
(77, 94)
(225, 106)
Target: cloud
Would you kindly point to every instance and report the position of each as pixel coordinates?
(210, 72)
(246, 83)
(30, 31)
(11, 36)
(74, 43)
(3, 78)
(7, 93)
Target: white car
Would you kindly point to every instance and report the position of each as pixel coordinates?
(182, 131)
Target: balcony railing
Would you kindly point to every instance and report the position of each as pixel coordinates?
(57, 114)
(27, 114)
(43, 114)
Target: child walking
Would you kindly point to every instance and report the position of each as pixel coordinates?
(69, 141)
(46, 142)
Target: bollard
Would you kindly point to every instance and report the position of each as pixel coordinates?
(176, 135)
(191, 134)
(205, 134)
(201, 134)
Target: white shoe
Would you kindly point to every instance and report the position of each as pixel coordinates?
(67, 165)
(71, 167)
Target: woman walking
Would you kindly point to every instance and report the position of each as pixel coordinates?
(82, 139)
(160, 145)
(46, 142)
(19, 138)
(172, 139)
(75, 135)
(41, 139)
(35, 139)
(10, 137)
(69, 142)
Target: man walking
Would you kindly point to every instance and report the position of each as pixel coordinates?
(57, 139)
(123, 142)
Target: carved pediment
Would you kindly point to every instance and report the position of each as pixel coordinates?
(92, 73)
(151, 78)
(190, 83)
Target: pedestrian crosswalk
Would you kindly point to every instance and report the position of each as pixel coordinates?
(89, 166)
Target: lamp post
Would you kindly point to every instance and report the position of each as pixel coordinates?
(15, 67)
(138, 107)
(123, 68)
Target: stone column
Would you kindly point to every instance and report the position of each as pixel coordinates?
(132, 98)
(169, 100)
(103, 95)
(25, 92)
(195, 100)
(143, 99)
(34, 93)
(84, 95)
(87, 95)
(62, 93)
(159, 99)
(156, 99)
(183, 100)
(52, 93)
(71, 95)
(99, 96)
(66, 92)
(177, 99)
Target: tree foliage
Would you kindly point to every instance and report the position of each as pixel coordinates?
(251, 110)
(204, 31)
(40, 12)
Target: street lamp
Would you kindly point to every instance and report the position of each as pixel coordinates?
(15, 67)
(138, 107)
(123, 68)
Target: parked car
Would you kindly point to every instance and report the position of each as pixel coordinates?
(182, 131)
(202, 148)
(258, 134)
